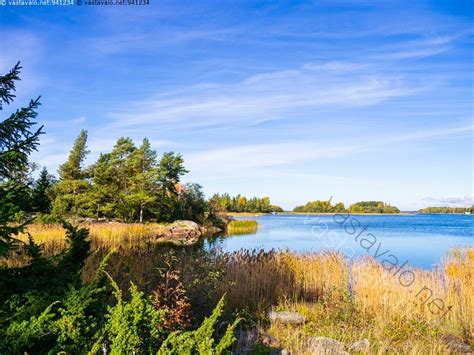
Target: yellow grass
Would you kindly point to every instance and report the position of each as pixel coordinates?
(377, 305)
(110, 235)
(246, 226)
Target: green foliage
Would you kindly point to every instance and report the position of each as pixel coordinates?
(243, 204)
(170, 169)
(73, 169)
(201, 341)
(73, 190)
(26, 291)
(17, 140)
(128, 184)
(192, 204)
(70, 325)
(132, 326)
(372, 207)
(321, 207)
(41, 198)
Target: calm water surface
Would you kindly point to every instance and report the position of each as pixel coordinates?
(422, 240)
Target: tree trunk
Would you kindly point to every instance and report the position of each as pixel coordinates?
(141, 213)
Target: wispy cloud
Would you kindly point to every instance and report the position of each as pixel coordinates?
(450, 201)
(265, 96)
(250, 160)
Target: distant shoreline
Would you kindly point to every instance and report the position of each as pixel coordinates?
(259, 214)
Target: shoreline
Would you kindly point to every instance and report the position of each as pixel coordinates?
(259, 214)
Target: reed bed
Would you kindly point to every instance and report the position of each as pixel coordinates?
(109, 235)
(395, 313)
(242, 226)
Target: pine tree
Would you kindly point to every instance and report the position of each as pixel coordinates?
(170, 170)
(73, 189)
(121, 169)
(72, 169)
(143, 182)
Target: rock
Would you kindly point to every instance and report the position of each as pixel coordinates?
(456, 344)
(279, 352)
(324, 345)
(360, 345)
(210, 230)
(180, 233)
(268, 340)
(246, 339)
(286, 317)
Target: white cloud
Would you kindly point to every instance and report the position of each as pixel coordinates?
(263, 96)
(252, 160)
(450, 201)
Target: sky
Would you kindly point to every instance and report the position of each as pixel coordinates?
(299, 101)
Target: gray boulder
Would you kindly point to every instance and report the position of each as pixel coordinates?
(286, 317)
(269, 340)
(180, 233)
(324, 345)
(456, 344)
(360, 345)
(279, 352)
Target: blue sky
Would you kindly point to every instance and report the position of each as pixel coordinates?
(295, 100)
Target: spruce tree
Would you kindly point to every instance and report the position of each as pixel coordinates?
(41, 194)
(18, 138)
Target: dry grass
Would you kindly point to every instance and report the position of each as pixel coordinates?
(349, 302)
(109, 235)
(363, 300)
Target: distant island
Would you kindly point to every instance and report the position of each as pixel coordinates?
(241, 204)
(358, 207)
(469, 210)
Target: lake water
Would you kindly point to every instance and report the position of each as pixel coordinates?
(419, 239)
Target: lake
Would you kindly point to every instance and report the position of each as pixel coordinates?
(421, 240)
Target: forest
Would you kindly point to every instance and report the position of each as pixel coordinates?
(447, 210)
(129, 184)
(358, 207)
(243, 204)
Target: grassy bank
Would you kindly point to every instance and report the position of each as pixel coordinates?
(242, 227)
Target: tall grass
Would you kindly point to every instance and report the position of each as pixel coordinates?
(110, 235)
(350, 301)
(52, 238)
(245, 226)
